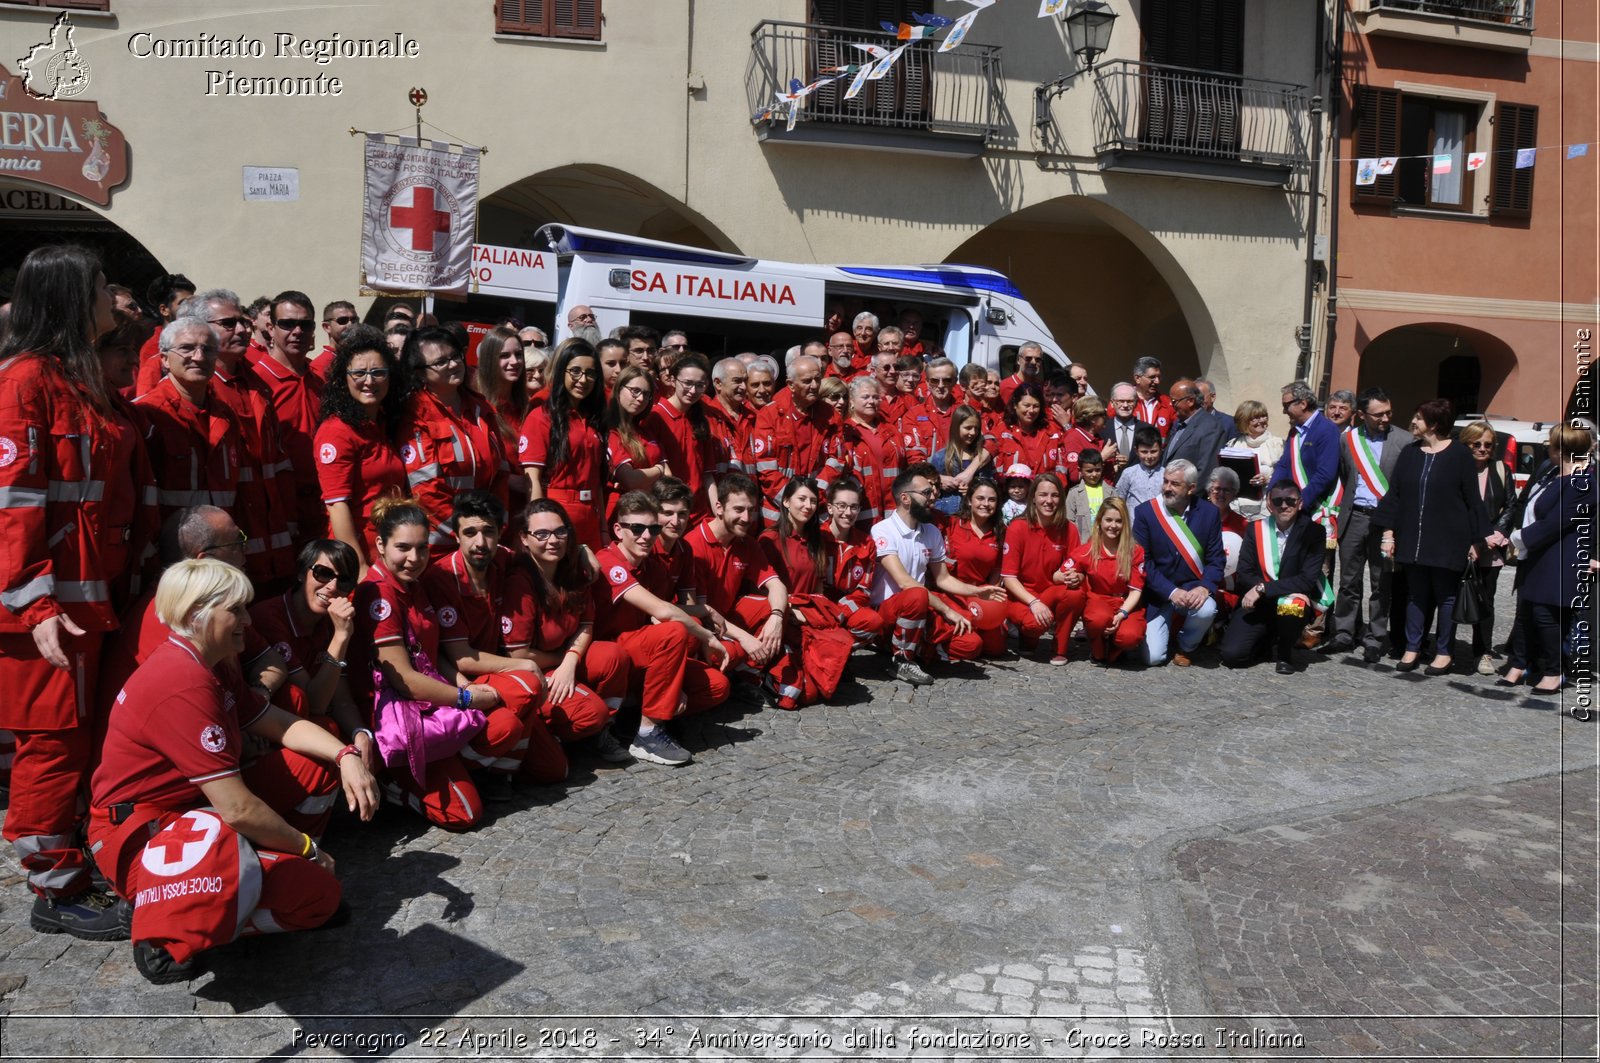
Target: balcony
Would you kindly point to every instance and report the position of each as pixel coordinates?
(1499, 25)
(930, 103)
(1175, 122)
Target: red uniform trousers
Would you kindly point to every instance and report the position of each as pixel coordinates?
(50, 769)
(602, 683)
(1097, 614)
(1065, 605)
(988, 620)
(660, 659)
(585, 515)
(859, 618)
(299, 789)
(915, 630)
(196, 883)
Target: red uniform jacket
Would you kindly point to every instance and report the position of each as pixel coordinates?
(1159, 412)
(786, 443)
(446, 452)
(871, 455)
(855, 561)
(72, 518)
(196, 451)
(266, 487)
(297, 400)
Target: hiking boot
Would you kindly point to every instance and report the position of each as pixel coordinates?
(911, 672)
(658, 748)
(494, 787)
(158, 966)
(608, 749)
(90, 915)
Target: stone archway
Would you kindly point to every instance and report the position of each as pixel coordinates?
(596, 197)
(1433, 359)
(1107, 288)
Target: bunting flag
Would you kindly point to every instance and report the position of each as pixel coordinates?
(1367, 172)
(907, 32)
(1575, 151)
(885, 64)
(1047, 8)
(1387, 164)
(979, 4)
(1476, 159)
(1441, 163)
(937, 21)
(1525, 157)
(958, 32)
(860, 79)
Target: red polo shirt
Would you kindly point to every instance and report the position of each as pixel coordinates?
(1032, 554)
(727, 571)
(972, 558)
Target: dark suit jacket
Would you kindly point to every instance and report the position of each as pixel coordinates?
(1229, 427)
(1397, 440)
(1299, 569)
(1560, 542)
(1198, 440)
(1108, 432)
(1164, 567)
(1321, 455)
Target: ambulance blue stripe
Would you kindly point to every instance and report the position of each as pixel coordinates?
(596, 245)
(949, 277)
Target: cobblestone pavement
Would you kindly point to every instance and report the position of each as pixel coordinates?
(1018, 862)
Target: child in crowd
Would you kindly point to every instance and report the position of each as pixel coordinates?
(1018, 479)
(1140, 483)
(1083, 500)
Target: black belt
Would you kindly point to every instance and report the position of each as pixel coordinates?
(1363, 509)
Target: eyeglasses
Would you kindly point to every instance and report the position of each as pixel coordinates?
(584, 317)
(229, 323)
(239, 544)
(941, 381)
(367, 374)
(1285, 500)
(637, 529)
(324, 574)
(846, 507)
(635, 390)
(294, 324)
(691, 385)
(446, 362)
(191, 349)
(926, 492)
(344, 321)
(1482, 444)
(574, 373)
(546, 534)
(674, 346)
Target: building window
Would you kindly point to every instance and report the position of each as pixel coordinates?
(1433, 137)
(568, 19)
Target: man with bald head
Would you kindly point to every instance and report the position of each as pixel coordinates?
(582, 324)
(1195, 437)
(841, 355)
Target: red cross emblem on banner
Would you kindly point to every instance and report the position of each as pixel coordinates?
(420, 218)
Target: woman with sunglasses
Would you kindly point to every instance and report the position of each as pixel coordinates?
(1046, 588)
(310, 626)
(561, 446)
(1432, 524)
(552, 625)
(449, 436)
(1496, 495)
(412, 647)
(357, 462)
(679, 423)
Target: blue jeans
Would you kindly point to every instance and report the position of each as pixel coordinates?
(1158, 627)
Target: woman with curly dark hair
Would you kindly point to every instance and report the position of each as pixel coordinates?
(357, 461)
(562, 446)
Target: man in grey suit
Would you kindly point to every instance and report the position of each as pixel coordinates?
(1367, 458)
(1196, 436)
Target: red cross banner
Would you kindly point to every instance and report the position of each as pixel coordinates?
(421, 215)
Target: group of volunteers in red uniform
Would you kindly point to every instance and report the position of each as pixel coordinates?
(245, 580)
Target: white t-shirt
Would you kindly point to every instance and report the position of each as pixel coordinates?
(916, 548)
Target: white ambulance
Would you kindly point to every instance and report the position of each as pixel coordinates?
(732, 303)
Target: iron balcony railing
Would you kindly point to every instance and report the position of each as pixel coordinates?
(1152, 107)
(955, 93)
(1517, 13)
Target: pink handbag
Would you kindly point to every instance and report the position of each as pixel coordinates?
(413, 734)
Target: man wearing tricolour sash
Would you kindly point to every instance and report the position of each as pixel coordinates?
(1280, 567)
(1367, 456)
(1184, 559)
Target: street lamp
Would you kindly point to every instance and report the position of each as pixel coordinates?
(1089, 30)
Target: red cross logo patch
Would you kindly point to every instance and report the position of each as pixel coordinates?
(182, 845)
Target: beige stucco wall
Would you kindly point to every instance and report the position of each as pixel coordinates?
(1232, 255)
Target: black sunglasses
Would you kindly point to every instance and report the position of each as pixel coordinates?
(639, 529)
(1285, 500)
(291, 324)
(324, 574)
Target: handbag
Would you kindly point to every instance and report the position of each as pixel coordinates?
(1472, 601)
(411, 734)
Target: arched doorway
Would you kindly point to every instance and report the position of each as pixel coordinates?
(1107, 289)
(33, 217)
(596, 197)
(1438, 359)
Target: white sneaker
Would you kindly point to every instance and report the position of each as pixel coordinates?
(912, 673)
(658, 748)
(608, 749)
